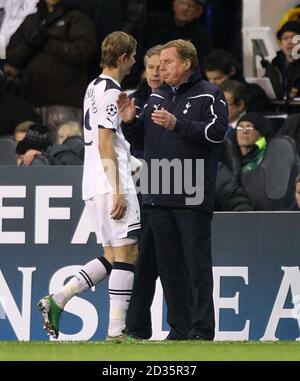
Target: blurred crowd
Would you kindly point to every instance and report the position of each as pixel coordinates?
(53, 52)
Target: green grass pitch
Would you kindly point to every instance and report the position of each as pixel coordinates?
(150, 351)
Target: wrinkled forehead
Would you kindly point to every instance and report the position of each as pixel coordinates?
(169, 53)
(153, 60)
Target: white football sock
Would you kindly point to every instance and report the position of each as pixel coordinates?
(90, 274)
(120, 289)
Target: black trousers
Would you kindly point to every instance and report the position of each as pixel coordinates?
(182, 258)
(183, 253)
(138, 318)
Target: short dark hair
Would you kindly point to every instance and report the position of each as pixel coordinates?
(114, 45)
(236, 88)
(290, 26)
(220, 60)
(297, 179)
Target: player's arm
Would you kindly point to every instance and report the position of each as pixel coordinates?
(110, 165)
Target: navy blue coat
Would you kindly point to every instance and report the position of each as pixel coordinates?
(202, 120)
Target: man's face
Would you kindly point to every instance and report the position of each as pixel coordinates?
(247, 134)
(20, 135)
(216, 77)
(173, 70)
(235, 109)
(287, 45)
(153, 73)
(297, 194)
(62, 135)
(185, 11)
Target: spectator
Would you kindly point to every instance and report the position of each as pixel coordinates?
(230, 194)
(125, 15)
(182, 23)
(13, 109)
(284, 72)
(15, 12)
(69, 149)
(30, 150)
(174, 129)
(109, 16)
(219, 66)
(248, 144)
(251, 132)
(68, 130)
(236, 98)
(49, 52)
(21, 130)
(225, 22)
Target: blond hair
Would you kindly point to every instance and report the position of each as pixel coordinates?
(23, 127)
(114, 45)
(186, 51)
(73, 128)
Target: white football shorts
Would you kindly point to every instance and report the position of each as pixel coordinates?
(111, 232)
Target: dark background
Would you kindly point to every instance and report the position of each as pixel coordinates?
(223, 19)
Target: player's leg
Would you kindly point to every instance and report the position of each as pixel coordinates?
(51, 306)
(121, 283)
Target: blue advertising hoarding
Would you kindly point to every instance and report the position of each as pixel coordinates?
(45, 237)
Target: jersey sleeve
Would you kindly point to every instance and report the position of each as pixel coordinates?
(107, 110)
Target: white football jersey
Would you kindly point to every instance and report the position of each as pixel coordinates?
(100, 111)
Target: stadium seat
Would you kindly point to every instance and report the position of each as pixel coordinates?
(291, 127)
(7, 150)
(277, 120)
(271, 185)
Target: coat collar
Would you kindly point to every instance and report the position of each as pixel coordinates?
(193, 78)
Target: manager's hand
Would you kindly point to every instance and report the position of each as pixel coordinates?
(164, 119)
